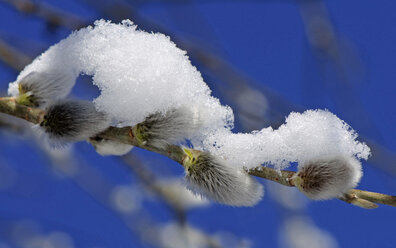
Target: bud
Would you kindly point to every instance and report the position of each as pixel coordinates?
(158, 130)
(71, 120)
(107, 147)
(213, 178)
(328, 178)
(40, 88)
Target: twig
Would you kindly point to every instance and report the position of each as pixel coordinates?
(12, 57)
(283, 177)
(53, 16)
(361, 198)
(9, 106)
(375, 197)
(147, 178)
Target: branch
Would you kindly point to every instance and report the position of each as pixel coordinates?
(9, 106)
(12, 57)
(147, 178)
(125, 135)
(360, 198)
(53, 16)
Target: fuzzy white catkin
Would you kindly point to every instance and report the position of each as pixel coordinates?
(45, 86)
(73, 120)
(159, 130)
(213, 178)
(328, 177)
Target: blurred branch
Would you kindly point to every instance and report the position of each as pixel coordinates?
(10, 126)
(125, 135)
(336, 54)
(53, 16)
(148, 179)
(12, 57)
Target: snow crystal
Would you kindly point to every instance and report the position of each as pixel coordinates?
(304, 137)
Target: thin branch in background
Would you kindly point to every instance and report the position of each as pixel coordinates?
(54, 17)
(335, 52)
(148, 179)
(91, 181)
(6, 124)
(13, 57)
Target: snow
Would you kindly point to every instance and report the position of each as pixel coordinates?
(141, 73)
(304, 137)
(138, 73)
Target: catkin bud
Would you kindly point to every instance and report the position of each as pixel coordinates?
(328, 177)
(71, 120)
(213, 178)
(158, 130)
(107, 147)
(37, 89)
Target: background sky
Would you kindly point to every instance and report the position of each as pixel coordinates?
(264, 59)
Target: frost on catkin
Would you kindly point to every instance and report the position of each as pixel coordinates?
(71, 120)
(328, 178)
(211, 177)
(158, 130)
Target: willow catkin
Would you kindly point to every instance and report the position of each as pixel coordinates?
(211, 177)
(328, 178)
(72, 120)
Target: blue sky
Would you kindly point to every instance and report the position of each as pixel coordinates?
(336, 55)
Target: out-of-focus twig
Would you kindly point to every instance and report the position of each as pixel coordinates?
(10, 126)
(53, 16)
(149, 180)
(13, 57)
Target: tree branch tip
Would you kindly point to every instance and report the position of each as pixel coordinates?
(125, 135)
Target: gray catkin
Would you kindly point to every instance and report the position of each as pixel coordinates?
(73, 120)
(46, 87)
(328, 178)
(158, 130)
(211, 177)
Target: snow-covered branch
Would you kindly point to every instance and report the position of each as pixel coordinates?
(153, 98)
(126, 135)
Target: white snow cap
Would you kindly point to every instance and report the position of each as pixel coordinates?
(138, 73)
(304, 137)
